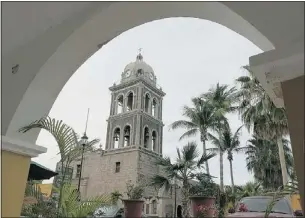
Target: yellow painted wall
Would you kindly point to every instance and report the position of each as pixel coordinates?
(46, 189)
(15, 170)
(296, 202)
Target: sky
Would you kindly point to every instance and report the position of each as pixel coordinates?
(188, 56)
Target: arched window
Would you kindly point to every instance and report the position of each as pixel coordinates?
(154, 141)
(120, 101)
(140, 72)
(147, 99)
(154, 207)
(146, 137)
(116, 138)
(129, 101)
(147, 209)
(127, 136)
(154, 108)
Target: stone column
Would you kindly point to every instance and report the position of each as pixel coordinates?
(293, 93)
(112, 105)
(125, 100)
(160, 109)
(138, 131)
(121, 142)
(108, 136)
(115, 107)
(160, 140)
(134, 102)
(16, 159)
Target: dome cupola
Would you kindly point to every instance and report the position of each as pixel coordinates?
(138, 69)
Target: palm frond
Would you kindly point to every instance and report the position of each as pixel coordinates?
(64, 135)
(190, 152)
(160, 182)
(189, 133)
(204, 158)
(183, 124)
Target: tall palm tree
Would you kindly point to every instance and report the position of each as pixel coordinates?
(223, 99)
(202, 118)
(259, 114)
(263, 160)
(183, 170)
(226, 142)
(70, 147)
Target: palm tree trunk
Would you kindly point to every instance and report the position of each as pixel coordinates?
(221, 170)
(185, 200)
(205, 152)
(282, 160)
(232, 179)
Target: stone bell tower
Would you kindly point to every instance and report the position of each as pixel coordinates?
(136, 110)
(134, 133)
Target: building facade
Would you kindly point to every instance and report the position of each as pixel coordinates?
(133, 142)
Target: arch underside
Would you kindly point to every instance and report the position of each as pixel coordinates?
(95, 28)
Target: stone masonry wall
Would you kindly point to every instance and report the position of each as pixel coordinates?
(104, 179)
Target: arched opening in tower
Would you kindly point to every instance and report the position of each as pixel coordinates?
(127, 136)
(146, 137)
(179, 211)
(154, 108)
(154, 207)
(154, 141)
(116, 138)
(120, 104)
(147, 99)
(129, 101)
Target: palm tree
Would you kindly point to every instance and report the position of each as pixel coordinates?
(183, 170)
(259, 114)
(263, 160)
(222, 98)
(226, 142)
(70, 147)
(202, 117)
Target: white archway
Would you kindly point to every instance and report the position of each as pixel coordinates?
(92, 28)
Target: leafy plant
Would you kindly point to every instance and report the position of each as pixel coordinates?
(182, 171)
(34, 205)
(115, 196)
(68, 142)
(281, 192)
(72, 207)
(205, 186)
(134, 192)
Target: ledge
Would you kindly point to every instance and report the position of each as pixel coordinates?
(21, 147)
(276, 66)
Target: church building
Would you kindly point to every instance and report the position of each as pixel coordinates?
(133, 142)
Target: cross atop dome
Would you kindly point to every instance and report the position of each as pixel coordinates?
(139, 56)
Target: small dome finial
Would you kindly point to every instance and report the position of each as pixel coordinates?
(139, 56)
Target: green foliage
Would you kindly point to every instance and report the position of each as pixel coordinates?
(134, 192)
(72, 207)
(68, 142)
(201, 118)
(260, 115)
(115, 196)
(205, 186)
(70, 204)
(38, 206)
(182, 172)
(262, 157)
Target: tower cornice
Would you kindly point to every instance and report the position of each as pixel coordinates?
(134, 82)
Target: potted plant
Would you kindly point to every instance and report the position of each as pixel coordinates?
(203, 201)
(133, 205)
